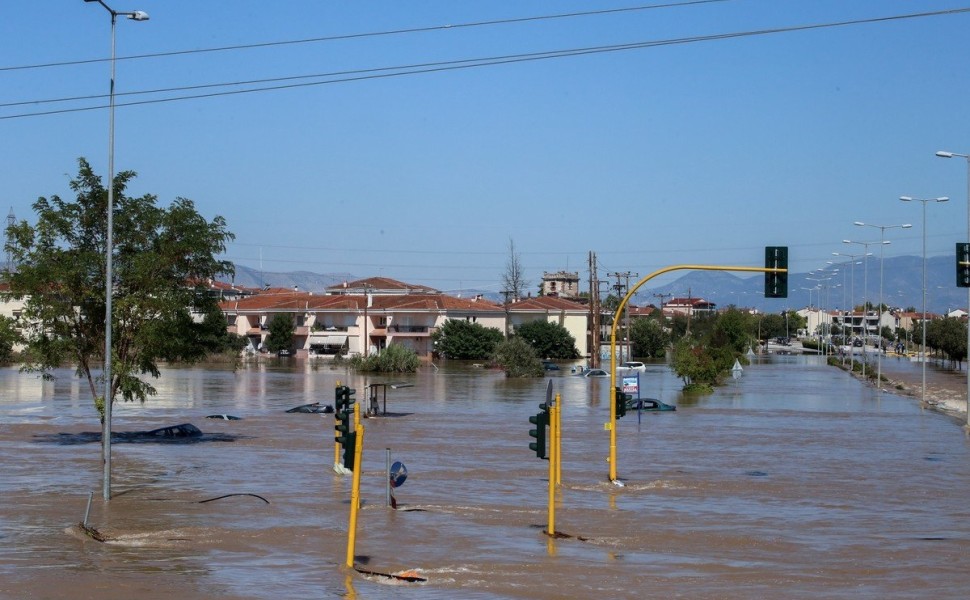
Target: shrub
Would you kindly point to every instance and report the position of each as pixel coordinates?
(394, 359)
(517, 358)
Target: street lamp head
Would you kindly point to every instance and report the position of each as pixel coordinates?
(846, 241)
(943, 199)
(906, 225)
(859, 223)
(138, 15)
(943, 154)
(906, 198)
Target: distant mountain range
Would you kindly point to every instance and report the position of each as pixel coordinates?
(902, 286)
(303, 280)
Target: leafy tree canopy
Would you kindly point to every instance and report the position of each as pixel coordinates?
(517, 358)
(464, 340)
(8, 337)
(649, 338)
(550, 340)
(162, 259)
(280, 336)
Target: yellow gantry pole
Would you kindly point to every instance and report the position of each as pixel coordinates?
(553, 459)
(355, 488)
(611, 426)
(558, 439)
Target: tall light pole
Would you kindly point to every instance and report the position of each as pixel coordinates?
(845, 312)
(865, 298)
(923, 326)
(882, 244)
(945, 154)
(821, 283)
(109, 251)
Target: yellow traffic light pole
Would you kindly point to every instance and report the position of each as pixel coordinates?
(611, 426)
(554, 457)
(355, 488)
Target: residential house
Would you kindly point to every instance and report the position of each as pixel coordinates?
(561, 283)
(688, 307)
(358, 323)
(572, 316)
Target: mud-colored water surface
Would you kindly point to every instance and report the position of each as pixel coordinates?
(795, 481)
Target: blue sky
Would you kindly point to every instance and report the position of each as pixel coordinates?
(699, 153)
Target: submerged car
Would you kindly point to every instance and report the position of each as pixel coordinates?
(649, 405)
(549, 365)
(594, 373)
(633, 365)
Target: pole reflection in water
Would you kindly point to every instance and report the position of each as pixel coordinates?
(795, 482)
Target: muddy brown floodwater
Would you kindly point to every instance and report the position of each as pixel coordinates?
(795, 481)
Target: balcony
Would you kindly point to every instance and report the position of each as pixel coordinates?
(408, 328)
(417, 331)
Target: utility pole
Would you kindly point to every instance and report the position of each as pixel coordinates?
(594, 307)
(690, 309)
(621, 289)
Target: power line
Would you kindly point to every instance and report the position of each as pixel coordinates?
(351, 36)
(376, 73)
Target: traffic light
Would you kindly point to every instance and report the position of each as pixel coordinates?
(342, 413)
(344, 399)
(349, 444)
(621, 400)
(776, 284)
(541, 421)
(963, 265)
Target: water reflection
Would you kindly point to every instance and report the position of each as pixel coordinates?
(794, 481)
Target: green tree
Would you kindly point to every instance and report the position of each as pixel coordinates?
(517, 358)
(730, 330)
(8, 337)
(649, 338)
(162, 258)
(949, 336)
(280, 336)
(771, 326)
(464, 340)
(214, 333)
(550, 340)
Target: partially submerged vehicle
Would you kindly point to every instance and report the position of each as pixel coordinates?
(315, 408)
(649, 405)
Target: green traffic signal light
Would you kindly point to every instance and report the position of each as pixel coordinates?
(963, 265)
(344, 394)
(349, 443)
(541, 421)
(776, 284)
(621, 400)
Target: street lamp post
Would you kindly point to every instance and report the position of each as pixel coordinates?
(109, 251)
(852, 262)
(945, 154)
(821, 283)
(923, 325)
(882, 244)
(865, 299)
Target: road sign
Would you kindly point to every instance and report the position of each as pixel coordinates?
(399, 473)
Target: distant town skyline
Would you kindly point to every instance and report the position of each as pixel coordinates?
(902, 286)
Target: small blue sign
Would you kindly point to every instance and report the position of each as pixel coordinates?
(399, 473)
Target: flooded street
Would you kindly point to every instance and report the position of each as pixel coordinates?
(795, 481)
